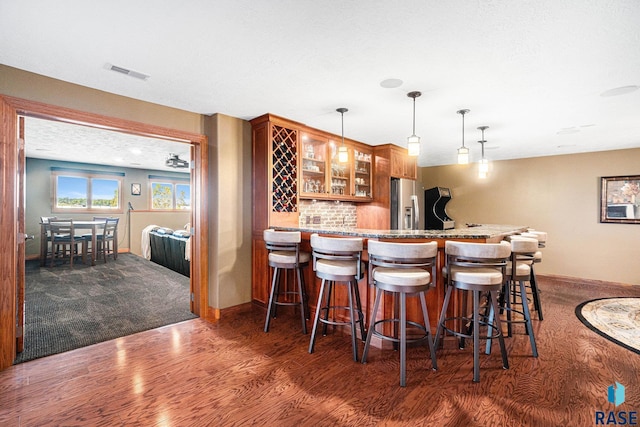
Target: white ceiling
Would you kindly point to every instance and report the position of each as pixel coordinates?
(536, 72)
(46, 139)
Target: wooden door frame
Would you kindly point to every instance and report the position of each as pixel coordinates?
(10, 109)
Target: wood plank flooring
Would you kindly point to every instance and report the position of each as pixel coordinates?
(232, 373)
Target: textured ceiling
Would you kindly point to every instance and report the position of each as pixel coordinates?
(46, 139)
(536, 72)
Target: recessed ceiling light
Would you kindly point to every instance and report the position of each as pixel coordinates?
(620, 90)
(135, 151)
(391, 83)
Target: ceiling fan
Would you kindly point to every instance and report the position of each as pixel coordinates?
(173, 161)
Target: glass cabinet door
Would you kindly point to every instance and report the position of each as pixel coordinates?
(362, 174)
(313, 161)
(340, 177)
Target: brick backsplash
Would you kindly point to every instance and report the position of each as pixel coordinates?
(331, 214)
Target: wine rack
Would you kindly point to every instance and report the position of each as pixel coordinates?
(285, 167)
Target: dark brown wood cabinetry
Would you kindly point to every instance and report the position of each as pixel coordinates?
(402, 165)
(293, 162)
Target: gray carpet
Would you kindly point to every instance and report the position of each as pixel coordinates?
(71, 308)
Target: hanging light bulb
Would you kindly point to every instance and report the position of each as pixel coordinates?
(413, 142)
(343, 154)
(463, 152)
(483, 165)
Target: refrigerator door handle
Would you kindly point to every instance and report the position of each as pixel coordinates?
(416, 212)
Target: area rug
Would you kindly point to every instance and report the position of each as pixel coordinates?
(70, 308)
(617, 319)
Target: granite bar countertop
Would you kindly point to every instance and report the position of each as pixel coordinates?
(480, 231)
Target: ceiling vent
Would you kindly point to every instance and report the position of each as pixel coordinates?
(127, 72)
(176, 162)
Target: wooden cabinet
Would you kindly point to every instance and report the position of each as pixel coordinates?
(313, 158)
(362, 173)
(324, 177)
(291, 161)
(275, 172)
(403, 165)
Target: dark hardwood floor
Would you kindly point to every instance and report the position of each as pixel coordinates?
(232, 373)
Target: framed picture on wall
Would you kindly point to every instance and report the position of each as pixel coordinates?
(620, 199)
(136, 189)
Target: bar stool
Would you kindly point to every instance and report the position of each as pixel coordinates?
(337, 261)
(285, 254)
(402, 269)
(541, 237)
(475, 268)
(514, 292)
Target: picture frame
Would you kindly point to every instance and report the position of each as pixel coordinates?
(620, 199)
(136, 189)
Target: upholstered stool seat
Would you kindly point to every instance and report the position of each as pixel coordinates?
(288, 257)
(338, 261)
(477, 268)
(401, 269)
(285, 254)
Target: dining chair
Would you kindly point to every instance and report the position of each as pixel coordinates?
(63, 237)
(107, 242)
(45, 236)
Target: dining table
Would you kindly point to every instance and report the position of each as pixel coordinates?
(93, 225)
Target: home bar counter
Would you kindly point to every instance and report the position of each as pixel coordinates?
(488, 233)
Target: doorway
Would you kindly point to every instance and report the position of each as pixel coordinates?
(11, 221)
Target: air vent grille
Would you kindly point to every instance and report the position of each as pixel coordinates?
(128, 72)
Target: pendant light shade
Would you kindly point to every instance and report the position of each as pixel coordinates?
(343, 154)
(413, 142)
(463, 152)
(483, 165)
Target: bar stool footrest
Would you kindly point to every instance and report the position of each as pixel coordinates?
(459, 334)
(397, 340)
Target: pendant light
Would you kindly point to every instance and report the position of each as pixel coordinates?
(343, 154)
(483, 165)
(413, 142)
(463, 152)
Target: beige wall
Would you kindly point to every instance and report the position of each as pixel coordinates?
(557, 194)
(34, 87)
(230, 198)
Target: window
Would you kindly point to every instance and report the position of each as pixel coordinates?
(170, 193)
(86, 191)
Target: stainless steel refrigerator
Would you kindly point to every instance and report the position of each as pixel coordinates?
(406, 205)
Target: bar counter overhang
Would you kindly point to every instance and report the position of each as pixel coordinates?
(482, 233)
(489, 233)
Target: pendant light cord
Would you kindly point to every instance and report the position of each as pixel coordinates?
(414, 115)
